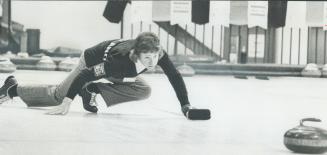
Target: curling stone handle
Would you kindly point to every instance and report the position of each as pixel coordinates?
(309, 119)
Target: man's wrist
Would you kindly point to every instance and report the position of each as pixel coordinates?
(67, 100)
(186, 108)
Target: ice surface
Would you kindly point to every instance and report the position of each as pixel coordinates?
(248, 117)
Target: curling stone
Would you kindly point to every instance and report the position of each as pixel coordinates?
(9, 54)
(186, 70)
(46, 63)
(6, 66)
(311, 70)
(67, 64)
(306, 139)
(22, 54)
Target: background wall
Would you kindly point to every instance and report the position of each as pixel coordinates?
(70, 23)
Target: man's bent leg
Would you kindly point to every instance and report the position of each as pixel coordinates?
(35, 95)
(124, 92)
(62, 89)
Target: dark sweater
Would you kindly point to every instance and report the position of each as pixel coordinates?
(120, 67)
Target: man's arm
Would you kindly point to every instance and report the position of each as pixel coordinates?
(175, 79)
(178, 84)
(94, 54)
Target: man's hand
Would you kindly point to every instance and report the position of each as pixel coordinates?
(185, 109)
(61, 109)
(195, 114)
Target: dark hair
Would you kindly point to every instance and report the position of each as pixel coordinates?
(146, 42)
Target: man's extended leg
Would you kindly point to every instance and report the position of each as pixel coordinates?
(124, 92)
(37, 95)
(34, 95)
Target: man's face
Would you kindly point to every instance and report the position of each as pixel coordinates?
(149, 60)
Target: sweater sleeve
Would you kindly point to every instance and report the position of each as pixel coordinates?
(94, 55)
(175, 79)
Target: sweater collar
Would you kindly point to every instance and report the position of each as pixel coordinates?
(138, 64)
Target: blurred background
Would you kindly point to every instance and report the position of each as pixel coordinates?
(285, 35)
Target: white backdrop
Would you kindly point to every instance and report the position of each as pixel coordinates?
(75, 24)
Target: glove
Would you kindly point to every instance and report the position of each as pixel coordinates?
(61, 109)
(195, 114)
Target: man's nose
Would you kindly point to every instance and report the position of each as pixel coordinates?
(151, 61)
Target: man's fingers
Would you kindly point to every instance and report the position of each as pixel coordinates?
(61, 109)
(64, 112)
(51, 112)
(56, 111)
